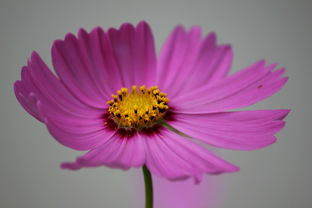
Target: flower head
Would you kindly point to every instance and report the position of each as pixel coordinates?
(112, 96)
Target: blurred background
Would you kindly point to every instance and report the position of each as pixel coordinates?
(278, 176)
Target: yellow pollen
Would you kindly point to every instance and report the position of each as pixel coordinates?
(139, 107)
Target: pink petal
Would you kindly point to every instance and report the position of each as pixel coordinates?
(39, 83)
(242, 89)
(187, 61)
(134, 52)
(174, 157)
(212, 65)
(246, 130)
(27, 100)
(99, 64)
(116, 152)
(70, 121)
(105, 67)
(74, 72)
(73, 132)
(78, 141)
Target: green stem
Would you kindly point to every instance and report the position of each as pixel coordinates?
(148, 188)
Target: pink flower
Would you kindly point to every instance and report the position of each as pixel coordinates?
(159, 105)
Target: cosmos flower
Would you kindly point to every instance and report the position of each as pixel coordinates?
(111, 96)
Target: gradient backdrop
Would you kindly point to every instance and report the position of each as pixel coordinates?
(276, 177)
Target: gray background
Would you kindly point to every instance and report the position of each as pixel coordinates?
(279, 31)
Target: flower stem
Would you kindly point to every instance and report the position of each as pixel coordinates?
(148, 188)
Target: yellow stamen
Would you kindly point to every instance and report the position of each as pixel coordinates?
(140, 108)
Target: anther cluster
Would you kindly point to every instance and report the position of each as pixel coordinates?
(139, 108)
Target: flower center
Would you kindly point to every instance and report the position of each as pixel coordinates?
(139, 108)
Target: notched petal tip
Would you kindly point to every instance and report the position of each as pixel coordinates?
(286, 112)
(34, 56)
(260, 64)
(285, 80)
(211, 38)
(227, 47)
(230, 168)
(112, 31)
(126, 26)
(60, 43)
(82, 33)
(143, 23)
(16, 85)
(24, 70)
(70, 166)
(70, 37)
(144, 27)
(56, 45)
(235, 169)
(97, 30)
(280, 114)
(179, 28)
(282, 70)
(196, 28)
(36, 62)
